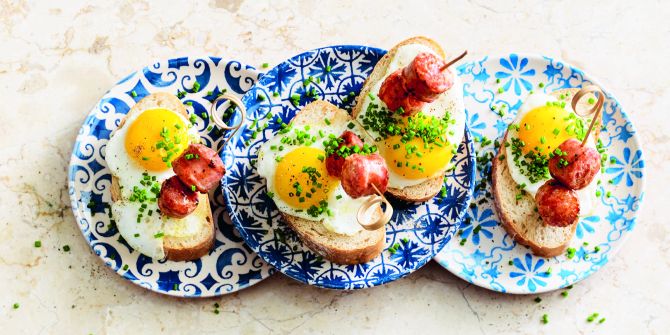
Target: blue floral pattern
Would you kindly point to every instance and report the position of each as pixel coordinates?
(487, 256)
(417, 231)
(515, 73)
(231, 266)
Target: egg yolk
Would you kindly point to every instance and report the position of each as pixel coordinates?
(301, 178)
(544, 128)
(156, 138)
(415, 159)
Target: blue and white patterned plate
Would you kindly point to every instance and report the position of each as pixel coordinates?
(492, 259)
(337, 72)
(231, 266)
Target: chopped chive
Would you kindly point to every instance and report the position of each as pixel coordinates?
(133, 94)
(38, 244)
(545, 319)
(592, 317)
(265, 65)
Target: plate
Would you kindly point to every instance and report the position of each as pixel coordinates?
(488, 256)
(419, 231)
(231, 266)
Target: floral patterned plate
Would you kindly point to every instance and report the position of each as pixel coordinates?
(483, 253)
(418, 231)
(231, 266)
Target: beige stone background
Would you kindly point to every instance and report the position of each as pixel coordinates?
(58, 57)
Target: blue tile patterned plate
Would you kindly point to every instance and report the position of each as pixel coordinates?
(231, 266)
(337, 72)
(490, 258)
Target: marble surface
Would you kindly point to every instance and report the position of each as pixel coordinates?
(59, 57)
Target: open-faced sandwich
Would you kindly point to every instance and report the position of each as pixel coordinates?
(325, 168)
(160, 178)
(545, 172)
(319, 170)
(412, 107)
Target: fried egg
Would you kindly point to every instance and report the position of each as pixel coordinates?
(139, 155)
(541, 125)
(412, 158)
(294, 168)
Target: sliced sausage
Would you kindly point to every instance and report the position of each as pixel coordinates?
(199, 166)
(334, 161)
(394, 95)
(176, 199)
(423, 78)
(361, 172)
(557, 204)
(575, 166)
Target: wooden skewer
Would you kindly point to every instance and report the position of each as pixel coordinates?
(220, 123)
(451, 62)
(595, 110)
(374, 200)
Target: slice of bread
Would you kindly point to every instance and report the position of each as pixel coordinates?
(176, 248)
(337, 248)
(519, 218)
(429, 188)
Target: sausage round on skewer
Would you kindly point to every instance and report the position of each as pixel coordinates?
(176, 199)
(557, 204)
(574, 165)
(334, 161)
(199, 166)
(361, 174)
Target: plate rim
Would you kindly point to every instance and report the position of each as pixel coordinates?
(467, 137)
(77, 210)
(440, 259)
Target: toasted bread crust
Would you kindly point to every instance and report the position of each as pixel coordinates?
(171, 246)
(431, 187)
(500, 184)
(309, 232)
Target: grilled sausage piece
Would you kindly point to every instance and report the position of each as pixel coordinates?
(423, 78)
(199, 166)
(176, 199)
(576, 165)
(395, 96)
(334, 161)
(557, 204)
(361, 172)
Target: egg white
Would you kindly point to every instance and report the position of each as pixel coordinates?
(124, 167)
(344, 210)
(587, 196)
(450, 101)
(125, 213)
